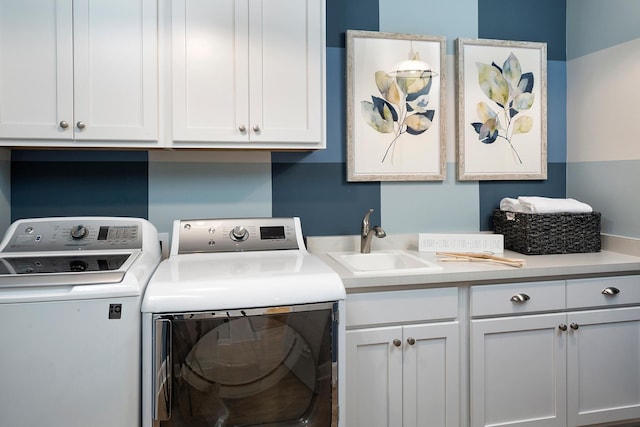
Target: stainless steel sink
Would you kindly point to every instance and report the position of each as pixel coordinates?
(384, 262)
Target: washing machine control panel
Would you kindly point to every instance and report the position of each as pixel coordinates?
(237, 235)
(74, 234)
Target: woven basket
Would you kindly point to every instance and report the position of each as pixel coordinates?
(540, 234)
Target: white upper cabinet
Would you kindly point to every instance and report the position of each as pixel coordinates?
(248, 74)
(78, 73)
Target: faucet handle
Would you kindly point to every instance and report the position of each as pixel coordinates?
(365, 222)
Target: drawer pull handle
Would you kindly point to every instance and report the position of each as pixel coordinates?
(411, 341)
(610, 291)
(397, 342)
(520, 298)
(575, 326)
(562, 327)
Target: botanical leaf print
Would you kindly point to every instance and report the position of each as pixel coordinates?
(511, 92)
(402, 107)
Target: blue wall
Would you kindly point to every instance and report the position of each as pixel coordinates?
(162, 186)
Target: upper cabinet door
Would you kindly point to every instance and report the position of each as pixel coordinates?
(248, 73)
(116, 70)
(36, 69)
(287, 44)
(210, 70)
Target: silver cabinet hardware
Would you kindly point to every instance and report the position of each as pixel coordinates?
(574, 326)
(81, 125)
(610, 291)
(242, 128)
(63, 124)
(397, 342)
(520, 298)
(256, 128)
(562, 327)
(411, 341)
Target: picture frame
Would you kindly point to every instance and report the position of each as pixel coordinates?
(395, 121)
(502, 109)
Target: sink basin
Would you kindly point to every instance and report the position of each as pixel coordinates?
(384, 262)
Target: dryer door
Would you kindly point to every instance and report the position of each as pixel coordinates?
(253, 367)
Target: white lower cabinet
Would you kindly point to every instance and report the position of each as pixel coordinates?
(573, 367)
(518, 371)
(406, 374)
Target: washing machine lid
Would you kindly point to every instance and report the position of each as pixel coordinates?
(69, 269)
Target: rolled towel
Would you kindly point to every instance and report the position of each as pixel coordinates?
(536, 204)
(510, 205)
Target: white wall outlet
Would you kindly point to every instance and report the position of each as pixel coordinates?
(467, 243)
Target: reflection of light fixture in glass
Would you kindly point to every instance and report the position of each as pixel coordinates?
(412, 68)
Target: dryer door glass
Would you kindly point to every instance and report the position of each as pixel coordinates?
(247, 367)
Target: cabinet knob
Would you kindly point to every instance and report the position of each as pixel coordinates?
(411, 341)
(81, 125)
(574, 326)
(242, 128)
(562, 327)
(63, 124)
(256, 128)
(520, 298)
(610, 291)
(397, 342)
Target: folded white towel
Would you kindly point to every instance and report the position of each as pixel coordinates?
(535, 204)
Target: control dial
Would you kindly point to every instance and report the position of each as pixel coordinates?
(79, 232)
(239, 234)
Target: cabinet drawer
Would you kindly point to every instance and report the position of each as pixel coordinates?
(378, 308)
(517, 298)
(603, 291)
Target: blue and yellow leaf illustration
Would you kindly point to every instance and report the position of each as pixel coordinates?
(402, 107)
(485, 112)
(526, 83)
(419, 122)
(381, 119)
(511, 70)
(512, 91)
(522, 102)
(487, 131)
(523, 124)
(387, 87)
(493, 84)
(414, 85)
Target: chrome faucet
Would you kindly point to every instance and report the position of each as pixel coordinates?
(367, 232)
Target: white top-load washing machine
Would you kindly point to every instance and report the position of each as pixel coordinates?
(70, 295)
(241, 327)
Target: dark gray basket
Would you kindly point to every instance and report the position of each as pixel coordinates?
(540, 234)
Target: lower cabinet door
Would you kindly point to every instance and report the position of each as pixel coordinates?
(603, 368)
(518, 371)
(431, 375)
(403, 376)
(374, 377)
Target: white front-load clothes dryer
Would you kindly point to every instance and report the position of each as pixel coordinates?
(241, 327)
(70, 295)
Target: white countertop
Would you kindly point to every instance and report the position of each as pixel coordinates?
(537, 267)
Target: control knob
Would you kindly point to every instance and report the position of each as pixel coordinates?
(79, 232)
(239, 234)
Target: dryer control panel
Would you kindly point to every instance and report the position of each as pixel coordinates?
(236, 235)
(70, 234)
